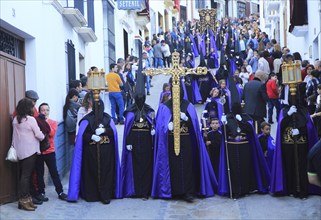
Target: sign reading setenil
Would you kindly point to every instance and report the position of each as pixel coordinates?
(129, 4)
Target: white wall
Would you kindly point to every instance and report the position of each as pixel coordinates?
(303, 44)
(46, 65)
(311, 39)
(94, 51)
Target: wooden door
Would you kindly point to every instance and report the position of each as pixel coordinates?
(12, 89)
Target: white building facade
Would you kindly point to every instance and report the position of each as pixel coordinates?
(305, 39)
(43, 46)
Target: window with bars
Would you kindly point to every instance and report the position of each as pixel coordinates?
(11, 45)
(91, 14)
(71, 59)
(111, 33)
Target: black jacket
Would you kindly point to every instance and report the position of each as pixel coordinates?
(255, 98)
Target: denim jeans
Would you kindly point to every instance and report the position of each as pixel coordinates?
(50, 160)
(158, 62)
(271, 104)
(116, 98)
(147, 78)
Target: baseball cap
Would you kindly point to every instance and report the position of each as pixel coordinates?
(32, 95)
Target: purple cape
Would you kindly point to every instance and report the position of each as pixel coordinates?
(194, 46)
(239, 90)
(161, 176)
(196, 92)
(271, 148)
(261, 169)
(127, 174)
(213, 43)
(75, 171)
(278, 184)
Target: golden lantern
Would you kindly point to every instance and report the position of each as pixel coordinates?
(291, 75)
(96, 82)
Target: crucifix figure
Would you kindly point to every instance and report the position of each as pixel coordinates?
(176, 71)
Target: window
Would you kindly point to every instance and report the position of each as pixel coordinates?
(71, 60)
(111, 34)
(79, 4)
(11, 45)
(90, 14)
(241, 6)
(199, 4)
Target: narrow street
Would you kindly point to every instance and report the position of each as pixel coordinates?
(251, 207)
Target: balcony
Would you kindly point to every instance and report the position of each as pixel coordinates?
(87, 34)
(300, 31)
(273, 5)
(141, 20)
(74, 17)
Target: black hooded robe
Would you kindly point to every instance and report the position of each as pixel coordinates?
(90, 189)
(138, 134)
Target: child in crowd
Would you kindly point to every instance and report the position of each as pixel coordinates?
(213, 141)
(247, 66)
(86, 107)
(49, 157)
(244, 75)
(166, 90)
(224, 91)
(267, 143)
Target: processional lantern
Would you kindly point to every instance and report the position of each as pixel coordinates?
(291, 75)
(96, 82)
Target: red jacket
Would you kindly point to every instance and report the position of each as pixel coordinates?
(272, 89)
(51, 137)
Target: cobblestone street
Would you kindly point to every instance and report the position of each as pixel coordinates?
(251, 207)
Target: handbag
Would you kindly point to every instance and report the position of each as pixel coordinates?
(12, 155)
(44, 144)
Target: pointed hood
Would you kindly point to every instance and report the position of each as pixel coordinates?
(139, 108)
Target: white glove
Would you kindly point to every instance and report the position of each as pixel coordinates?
(184, 116)
(295, 131)
(95, 138)
(223, 119)
(238, 117)
(152, 132)
(292, 110)
(170, 126)
(99, 131)
(129, 147)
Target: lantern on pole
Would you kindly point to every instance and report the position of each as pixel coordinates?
(291, 75)
(96, 83)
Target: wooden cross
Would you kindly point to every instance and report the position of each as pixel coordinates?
(176, 71)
